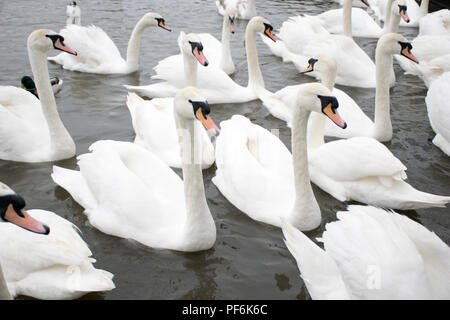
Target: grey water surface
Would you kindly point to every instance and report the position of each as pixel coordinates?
(249, 259)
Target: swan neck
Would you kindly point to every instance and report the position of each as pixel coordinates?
(424, 6)
(60, 139)
(306, 212)
(389, 9)
(189, 136)
(4, 292)
(329, 78)
(383, 125)
(226, 58)
(255, 78)
(347, 18)
(190, 70)
(134, 45)
(316, 130)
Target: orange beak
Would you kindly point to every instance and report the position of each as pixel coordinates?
(207, 122)
(200, 57)
(270, 34)
(25, 221)
(163, 25)
(404, 15)
(334, 116)
(405, 52)
(61, 46)
(309, 68)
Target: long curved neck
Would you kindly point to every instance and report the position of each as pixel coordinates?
(387, 19)
(383, 125)
(197, 210)
(134, 45)
(329, 78)
(60, 139)
(226, 58)
(306, 210)
(255, 78)
(190, 70)
(424, 7)
(347, 18)
(4, 293)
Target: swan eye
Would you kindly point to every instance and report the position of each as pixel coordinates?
(197, 45)
(327, 100)
(402, 8)
(312, 62)
(202, 105)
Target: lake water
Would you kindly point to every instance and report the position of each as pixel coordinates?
(249, 259)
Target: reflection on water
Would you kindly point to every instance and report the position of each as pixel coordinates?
(249, 259)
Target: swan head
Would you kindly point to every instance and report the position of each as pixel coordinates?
(321, 63)
(394, 43)
(191, 45)
(12, 210)
(399, 8)
(262, 25)
(315, 97)
(231, 14)
(45, 39)
(153, 19)
(191, 105)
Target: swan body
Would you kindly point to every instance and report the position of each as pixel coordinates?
(438, 112)
(31, 129)
(97, 53)
(257, 173)
(215, 84)
(370, 253)
(304, 37)
(53, 265)
(246, 9)
(436, 23)
(127, 191)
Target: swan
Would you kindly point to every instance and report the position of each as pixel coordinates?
(358, 122)
(216, 85)
(31, 129)
(357, 22)
(304, 37)
(129, 192)
(43, 255)
(219, 53)
(153, 120)
(417, 10)
(370, 253)
(246, 9)
(436, 100)
(28, 84)
(98, 54)
(436, 23)
(258, 175)
(73, 13)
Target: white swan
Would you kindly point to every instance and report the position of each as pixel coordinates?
(31, 129)
(43, 255)
(436, 23)
(417, 9)
(129, 192)
(304, 37)
(358, 122)
(97, 53)
(437, 100)
(357, 22)
(258, 175)
(370, 253)
(219, 53)
(215, 84)
(154, 121)
(73, 13)
(246, 9)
